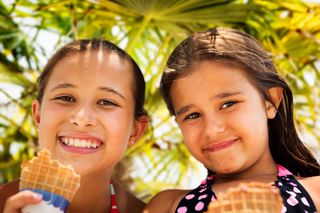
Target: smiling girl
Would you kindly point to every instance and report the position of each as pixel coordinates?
(235, 114)
(89, 108)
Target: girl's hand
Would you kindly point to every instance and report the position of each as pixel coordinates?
(16, 202)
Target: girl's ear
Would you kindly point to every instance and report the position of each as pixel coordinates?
(276, 95)
(36, 112)
(139, 128)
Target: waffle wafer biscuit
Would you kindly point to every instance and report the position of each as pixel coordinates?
(248, 198)
(42, 173)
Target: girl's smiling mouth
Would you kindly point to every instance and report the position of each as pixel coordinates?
(80, 145)
(214, 147)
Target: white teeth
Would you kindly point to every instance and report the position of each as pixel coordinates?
(76, 142)
(82, 143)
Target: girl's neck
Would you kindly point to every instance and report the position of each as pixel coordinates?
(264, 172)
(93, 195)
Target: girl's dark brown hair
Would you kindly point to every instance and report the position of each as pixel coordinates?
(234, 48)
(80, 46)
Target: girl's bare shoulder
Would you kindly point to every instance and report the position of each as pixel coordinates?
(311, 182)
(165, 201)
(312, 185)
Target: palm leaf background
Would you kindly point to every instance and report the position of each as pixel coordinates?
(149, 30)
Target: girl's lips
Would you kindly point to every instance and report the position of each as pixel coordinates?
(220, 145)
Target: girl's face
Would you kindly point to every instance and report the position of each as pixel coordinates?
(222, 117)
(86, 117)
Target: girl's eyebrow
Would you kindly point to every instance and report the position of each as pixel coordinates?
(63, 85)
(225, 95)
(184, 109)
(107, 89)
(218, 96)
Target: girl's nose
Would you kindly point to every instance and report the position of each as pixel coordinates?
(83, 117)
(214, 126)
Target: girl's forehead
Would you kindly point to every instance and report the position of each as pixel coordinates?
(216, 69)
(211, 81)
(93, 67)
(212, 76)
(90, 61)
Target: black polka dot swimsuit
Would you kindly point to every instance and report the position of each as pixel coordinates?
(295, 198)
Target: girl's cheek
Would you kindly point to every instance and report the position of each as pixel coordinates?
(189, 134)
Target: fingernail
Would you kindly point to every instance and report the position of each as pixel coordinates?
(244, 187)
(37, 196)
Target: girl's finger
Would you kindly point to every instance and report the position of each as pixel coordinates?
(21, 199)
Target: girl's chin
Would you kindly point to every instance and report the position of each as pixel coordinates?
(224, 169)
(80, 168)
(86, 167)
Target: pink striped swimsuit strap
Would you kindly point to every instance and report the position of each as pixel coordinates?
(114, 207)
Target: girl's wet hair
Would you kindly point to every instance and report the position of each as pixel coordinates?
(81, 46)
(237, 49)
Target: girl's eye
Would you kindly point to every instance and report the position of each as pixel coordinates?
(65, 98)
(192, 116)
(228, 104)
(106, 103)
